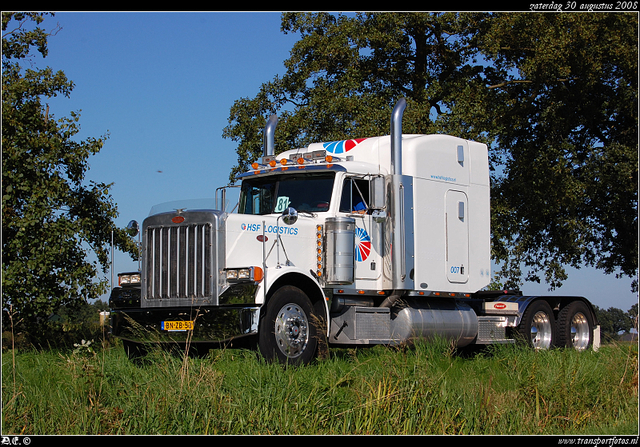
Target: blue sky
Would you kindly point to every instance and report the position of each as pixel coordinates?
(162, 85)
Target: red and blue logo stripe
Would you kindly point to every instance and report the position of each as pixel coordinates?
(340, 147)
(363, 245)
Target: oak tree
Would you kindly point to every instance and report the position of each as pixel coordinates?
(562, 102)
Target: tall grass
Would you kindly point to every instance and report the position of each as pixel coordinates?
(427, 389)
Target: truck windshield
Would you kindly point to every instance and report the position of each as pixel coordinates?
(273, 194)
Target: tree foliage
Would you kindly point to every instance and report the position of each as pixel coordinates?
(564, 113)
(554, 96)
(614, 321)
(52, 219)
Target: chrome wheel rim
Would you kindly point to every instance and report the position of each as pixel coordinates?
(291, 330)
(580, 332)
(541, 331)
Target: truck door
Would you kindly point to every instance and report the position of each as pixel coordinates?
(355, 202)
(456, 237)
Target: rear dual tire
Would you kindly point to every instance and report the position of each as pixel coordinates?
(573, 328)
(538, 327)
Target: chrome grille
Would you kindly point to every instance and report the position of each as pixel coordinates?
(178, 262)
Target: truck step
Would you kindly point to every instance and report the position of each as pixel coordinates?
(492, 329)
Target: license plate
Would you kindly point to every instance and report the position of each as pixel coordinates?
(177, 325)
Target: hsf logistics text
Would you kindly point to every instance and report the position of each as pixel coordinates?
(291, 231)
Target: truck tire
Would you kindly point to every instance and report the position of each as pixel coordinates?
(288, 333)
(538, 327)
(575, 326)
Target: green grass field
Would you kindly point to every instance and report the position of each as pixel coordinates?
(426, 389)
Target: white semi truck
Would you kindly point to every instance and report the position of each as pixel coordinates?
(359, 242)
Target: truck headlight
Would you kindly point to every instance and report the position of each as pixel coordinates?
(128, 279)
(247, 274)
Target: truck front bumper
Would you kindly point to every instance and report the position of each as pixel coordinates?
(211, 324)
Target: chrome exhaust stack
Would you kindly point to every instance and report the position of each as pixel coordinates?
(268, 141)
(400, 200)
(396, 136)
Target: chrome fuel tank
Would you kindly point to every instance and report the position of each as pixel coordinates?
(409, 320)
(446, 319)
(340, 234)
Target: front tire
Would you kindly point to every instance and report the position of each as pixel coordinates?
(538, 327)
(288, 333)
(575, 326)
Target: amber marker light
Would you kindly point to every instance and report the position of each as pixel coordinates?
(319, 249)
(258, 274)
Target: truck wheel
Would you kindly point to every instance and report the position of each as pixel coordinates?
(575, 326)
(287, 332)
(538, 325)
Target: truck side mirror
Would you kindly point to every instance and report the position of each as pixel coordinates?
(133, 228)
(376, 193)
(290, 216)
